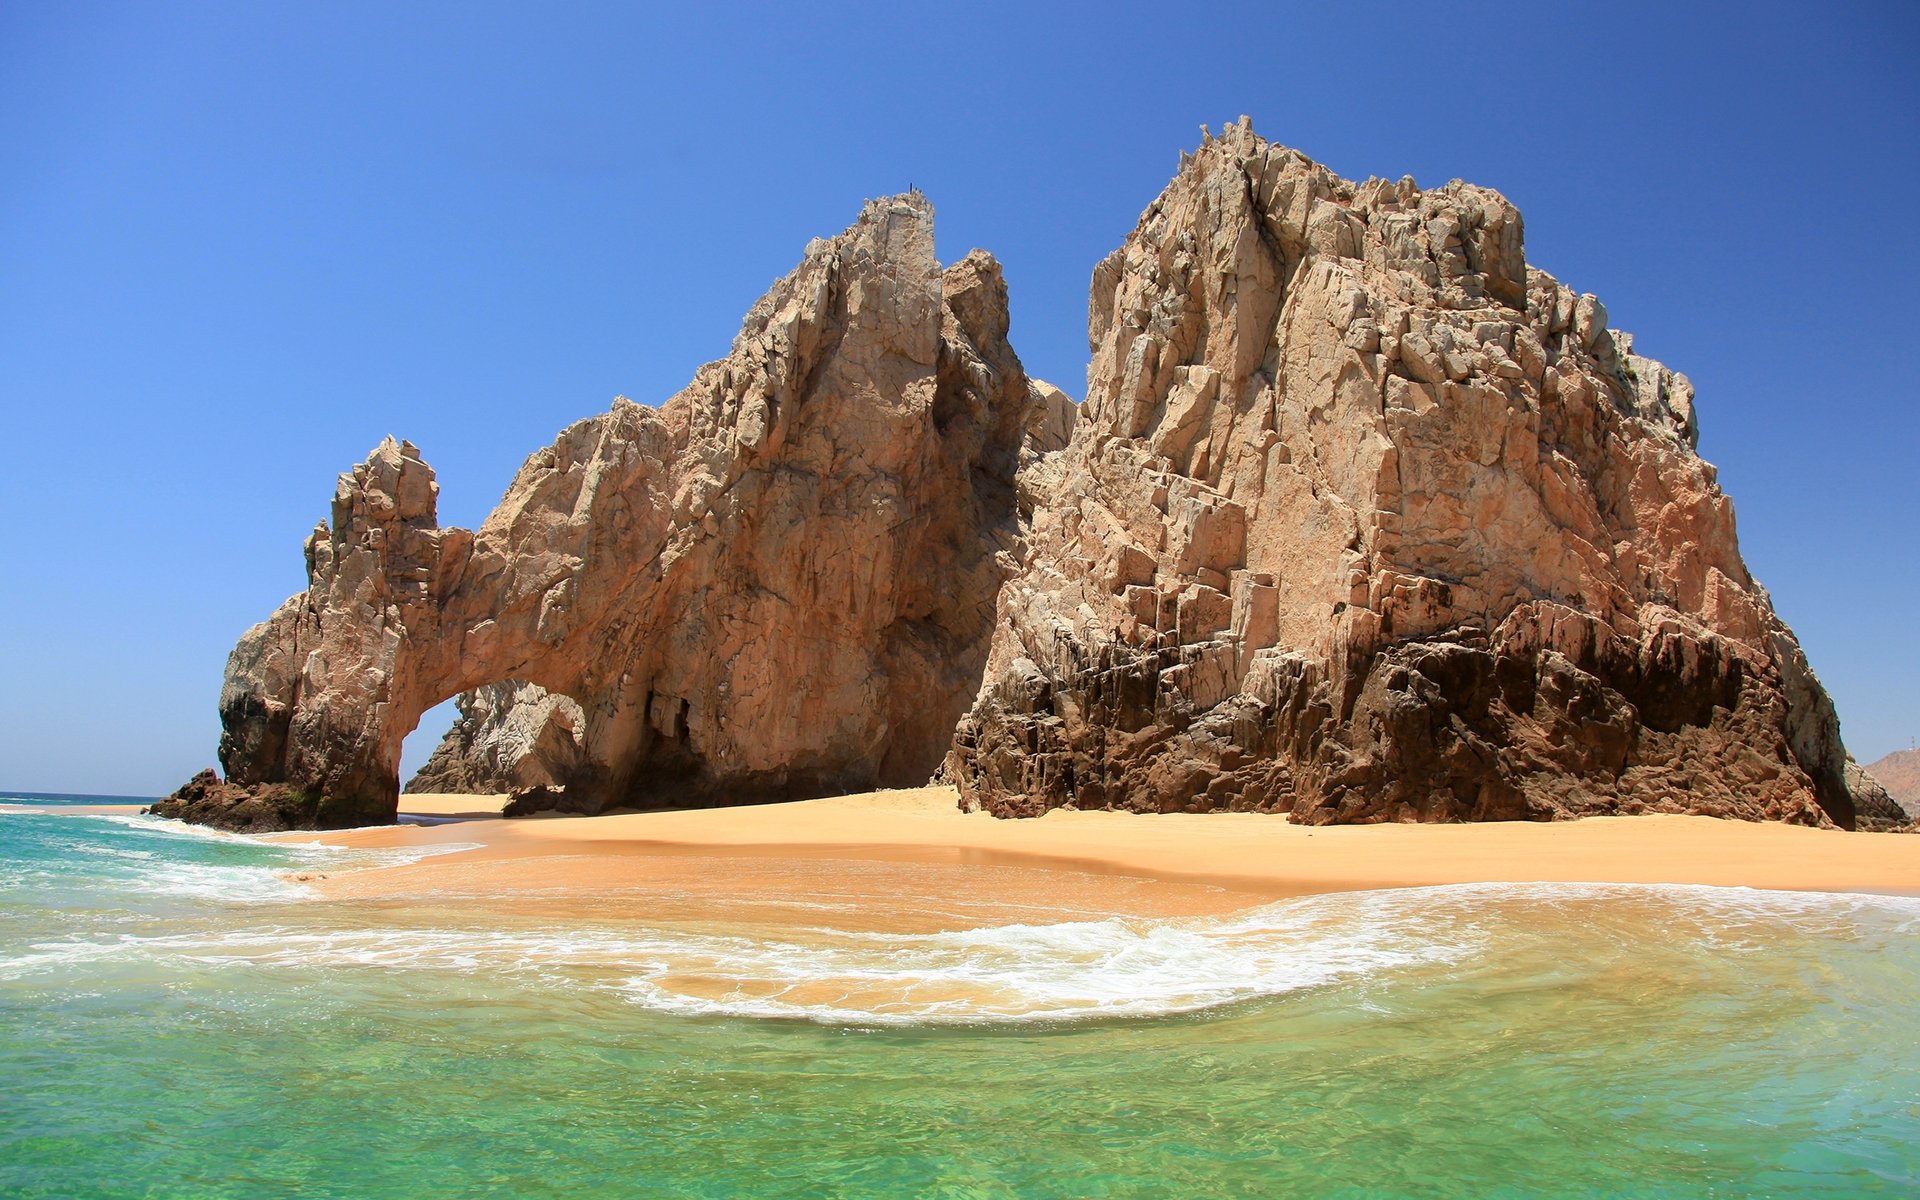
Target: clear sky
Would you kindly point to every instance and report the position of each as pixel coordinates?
(239, 243)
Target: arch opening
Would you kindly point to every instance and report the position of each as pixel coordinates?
(417, 747)
(494, 739)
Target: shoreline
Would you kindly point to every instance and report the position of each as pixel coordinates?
(911, 856)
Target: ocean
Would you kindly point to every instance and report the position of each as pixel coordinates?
(177, 1018)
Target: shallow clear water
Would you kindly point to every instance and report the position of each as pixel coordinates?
(176, 1020)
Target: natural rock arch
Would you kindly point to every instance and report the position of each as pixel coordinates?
(780, 583)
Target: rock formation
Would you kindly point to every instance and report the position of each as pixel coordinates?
(1364, 519)
(508, 735)
(778, 584)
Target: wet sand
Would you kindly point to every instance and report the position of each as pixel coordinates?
(911, 859)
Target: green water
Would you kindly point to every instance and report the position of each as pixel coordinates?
(174, 1021)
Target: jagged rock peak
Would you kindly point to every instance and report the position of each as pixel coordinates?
(779, 583)
(1365, 519)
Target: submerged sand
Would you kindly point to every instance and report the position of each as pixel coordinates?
(911, 859)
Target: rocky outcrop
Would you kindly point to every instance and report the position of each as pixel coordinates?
(268, 808)
(779, 583)
(1365, 519)
(507, 736)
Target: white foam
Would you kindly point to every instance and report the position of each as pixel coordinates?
(392, 856)
(117, 852)
(161, 826)
(268, 884)
(306, 850)
(1110, 968)
(1065, 971)
(1077, 970)
(135, 870)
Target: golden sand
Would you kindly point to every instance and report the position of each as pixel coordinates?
(427, 804)
(911, 858)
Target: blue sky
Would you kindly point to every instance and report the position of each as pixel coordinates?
(239, 243)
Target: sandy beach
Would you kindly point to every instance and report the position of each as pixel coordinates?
(910, 858)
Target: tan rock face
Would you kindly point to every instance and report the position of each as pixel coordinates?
(779, 583)
(1364, 519)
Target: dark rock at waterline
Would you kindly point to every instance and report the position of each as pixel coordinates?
(262, 808)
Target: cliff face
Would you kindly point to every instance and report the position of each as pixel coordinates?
(1364, 519)
(780, 583)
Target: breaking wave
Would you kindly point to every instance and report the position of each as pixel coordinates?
(51, 854)
(1062, 972)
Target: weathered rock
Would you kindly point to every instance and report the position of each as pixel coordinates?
(1365, 520)
(778, 584)
(508, 735)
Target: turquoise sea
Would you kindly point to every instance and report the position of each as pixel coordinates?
(177, 1018)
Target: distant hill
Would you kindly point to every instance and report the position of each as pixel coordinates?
(1899, 773)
